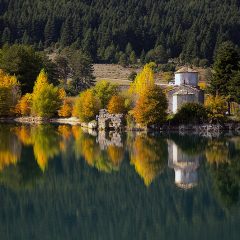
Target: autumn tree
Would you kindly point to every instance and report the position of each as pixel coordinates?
(46, 99)
(104, 90)
(9, 93)
(66, 109)
(217, 106)
(87, 105)
(151, 107)
(24, 105)
(143, 80)
(117, 105)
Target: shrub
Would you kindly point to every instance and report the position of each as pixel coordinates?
(191, 113)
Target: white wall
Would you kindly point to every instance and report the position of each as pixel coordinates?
(187, 78)
(179, 100)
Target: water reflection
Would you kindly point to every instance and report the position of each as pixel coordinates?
(105, 151)
(67, 181)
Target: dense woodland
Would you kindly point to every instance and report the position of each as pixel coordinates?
(116, 29)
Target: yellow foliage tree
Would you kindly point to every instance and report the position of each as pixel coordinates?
(143, 80)
(87, 106)
(151, 107)
(217, 106)
(46, 99)
(24, 105)
(117, 105)
(9, 93)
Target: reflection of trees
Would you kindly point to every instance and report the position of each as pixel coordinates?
(65, 132)
(10, 147)
(87, 147)
(116, 154)
(224, 159)
(24, 134)
(217, 151)
(149, 155)
(190, 144)
(44, 139)
(46, 144)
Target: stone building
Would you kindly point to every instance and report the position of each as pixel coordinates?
(185, 89)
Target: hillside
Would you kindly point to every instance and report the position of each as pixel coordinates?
(187, 28)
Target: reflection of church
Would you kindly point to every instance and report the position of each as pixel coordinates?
(184, 165)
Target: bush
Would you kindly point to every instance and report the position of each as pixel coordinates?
(191, 113)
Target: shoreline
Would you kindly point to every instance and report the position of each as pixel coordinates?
(188, 128)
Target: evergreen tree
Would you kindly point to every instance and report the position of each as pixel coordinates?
(66, 33)
(50, 33)
(226, 62)
(133, 58)
(6, 35)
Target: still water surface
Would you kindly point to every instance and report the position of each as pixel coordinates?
(59, 182)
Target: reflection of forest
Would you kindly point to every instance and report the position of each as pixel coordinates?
(53, 183)
(106, 151)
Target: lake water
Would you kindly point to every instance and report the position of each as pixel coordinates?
(59, 182)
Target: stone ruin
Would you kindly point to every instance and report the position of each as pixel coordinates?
(107, 121)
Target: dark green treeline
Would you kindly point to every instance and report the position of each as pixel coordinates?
(187, 28)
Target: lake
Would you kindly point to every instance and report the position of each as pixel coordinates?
(62, 182)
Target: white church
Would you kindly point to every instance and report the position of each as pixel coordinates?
(185, 89)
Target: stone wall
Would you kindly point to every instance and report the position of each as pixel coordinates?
(107, 121)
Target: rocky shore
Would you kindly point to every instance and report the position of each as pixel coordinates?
(105, 122)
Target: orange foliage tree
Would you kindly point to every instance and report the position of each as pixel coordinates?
(24, 105)
(66, 109)
(117, 105)
(151, 107)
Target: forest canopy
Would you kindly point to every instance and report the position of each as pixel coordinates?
(109, 29)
